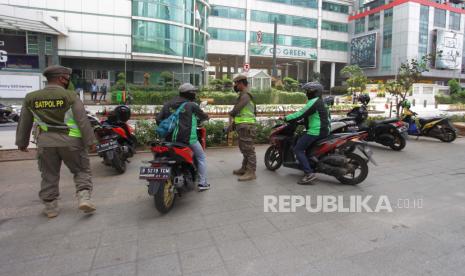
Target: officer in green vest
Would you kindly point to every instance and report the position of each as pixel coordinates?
(63, 134)
(243, 117)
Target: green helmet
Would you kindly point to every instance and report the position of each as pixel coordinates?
(406, 104)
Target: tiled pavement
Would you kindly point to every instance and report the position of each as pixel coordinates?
(225, 232)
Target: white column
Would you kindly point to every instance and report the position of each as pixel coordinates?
(333, 74)
(248, 4)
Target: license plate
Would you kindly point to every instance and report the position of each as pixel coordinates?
(107, 146)
(162, 173)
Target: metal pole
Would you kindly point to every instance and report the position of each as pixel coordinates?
(205, 44)
(125, 66)
(275, 73)
(193, 43)
(183, 38)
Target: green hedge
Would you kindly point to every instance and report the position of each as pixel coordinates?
(216, 136)
(220, 98)
(455, 98)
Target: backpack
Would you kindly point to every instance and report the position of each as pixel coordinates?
(168, 125)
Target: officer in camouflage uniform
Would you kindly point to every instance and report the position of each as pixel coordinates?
(64, 133)
(243, 115)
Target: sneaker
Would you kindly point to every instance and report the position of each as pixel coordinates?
(85, 203)
(204, 187)
(51, 209)
(307, 179)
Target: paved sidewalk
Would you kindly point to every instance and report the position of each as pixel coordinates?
(224, 231)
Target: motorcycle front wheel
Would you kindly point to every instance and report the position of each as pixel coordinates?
(165, 196)
(399, 142)
(358, 172)
(273, 159)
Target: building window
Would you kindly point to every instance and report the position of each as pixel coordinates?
(165, 39)
(454, 21)
(328, 6)
(375, 4)
(228, 12)
(334, 26)
(226, 35)
(267, 17)
(439, 18)
(360, 25)
(423, 36)
(303, 3)
(387, 40)
(334, 45)
(166, 10)
(32, 44)
(48, 45)
(286, 40)
(373, 22)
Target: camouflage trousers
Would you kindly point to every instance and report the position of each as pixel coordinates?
(247, 133)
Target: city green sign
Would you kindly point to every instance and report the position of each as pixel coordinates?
(282, 52)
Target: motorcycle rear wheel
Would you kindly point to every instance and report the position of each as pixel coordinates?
(359, 163)
(119, 163)
(399, 143)
(165, 197)
(273, 159)
(448, 135)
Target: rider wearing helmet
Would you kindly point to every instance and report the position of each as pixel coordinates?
(406, 112)
(316, 118)
(186, 130)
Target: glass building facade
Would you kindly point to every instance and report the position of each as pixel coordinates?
(334, 26)
(228, 12)
(226, 34)
(423, 37)
(286, 40)
(386, 57)
(283, 19)
(334, 45)
(175, 38)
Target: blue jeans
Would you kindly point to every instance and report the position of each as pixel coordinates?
(201, 158)
(301, 146)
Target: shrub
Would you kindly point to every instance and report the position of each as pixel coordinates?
(454, 87)
(338, 90)
(215, 133)
(145, 132)
(290, 84)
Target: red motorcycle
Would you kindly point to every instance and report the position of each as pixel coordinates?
(172, 172)
(332, 155)
(116, 140)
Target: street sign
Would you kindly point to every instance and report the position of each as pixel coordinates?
(259, 37)
(3, 56)
(246, 67)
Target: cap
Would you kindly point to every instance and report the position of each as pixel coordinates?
(57, 70)
(186, 87)
(240, 77)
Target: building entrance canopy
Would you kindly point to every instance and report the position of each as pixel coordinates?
(28, 20)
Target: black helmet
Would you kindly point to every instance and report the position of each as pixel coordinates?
(122, 113)
(188, 91)
(313, 89)
(329, 101)
(364, 98)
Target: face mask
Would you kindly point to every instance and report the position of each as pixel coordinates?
(67, 84)
(236, 89)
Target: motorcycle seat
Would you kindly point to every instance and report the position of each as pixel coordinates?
(424, 121)
(175, 144)
(386, 121)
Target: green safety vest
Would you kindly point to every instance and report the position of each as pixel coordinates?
(246, 115)
(51, 109)
(71, 125)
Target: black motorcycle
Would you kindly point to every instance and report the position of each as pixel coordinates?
(8, 114)
(390, 132)
(435, 127)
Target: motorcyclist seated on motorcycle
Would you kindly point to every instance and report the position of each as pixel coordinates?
(360, 113)
(119, 117)
(186, 130)
(317, 122)
(408, 116)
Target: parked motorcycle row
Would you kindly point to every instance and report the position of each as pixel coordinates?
(344, 154)
(8, 114)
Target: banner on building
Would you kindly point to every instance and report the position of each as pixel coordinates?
(17, 86)
(449, 48)
(282, 52)
(363, 51)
